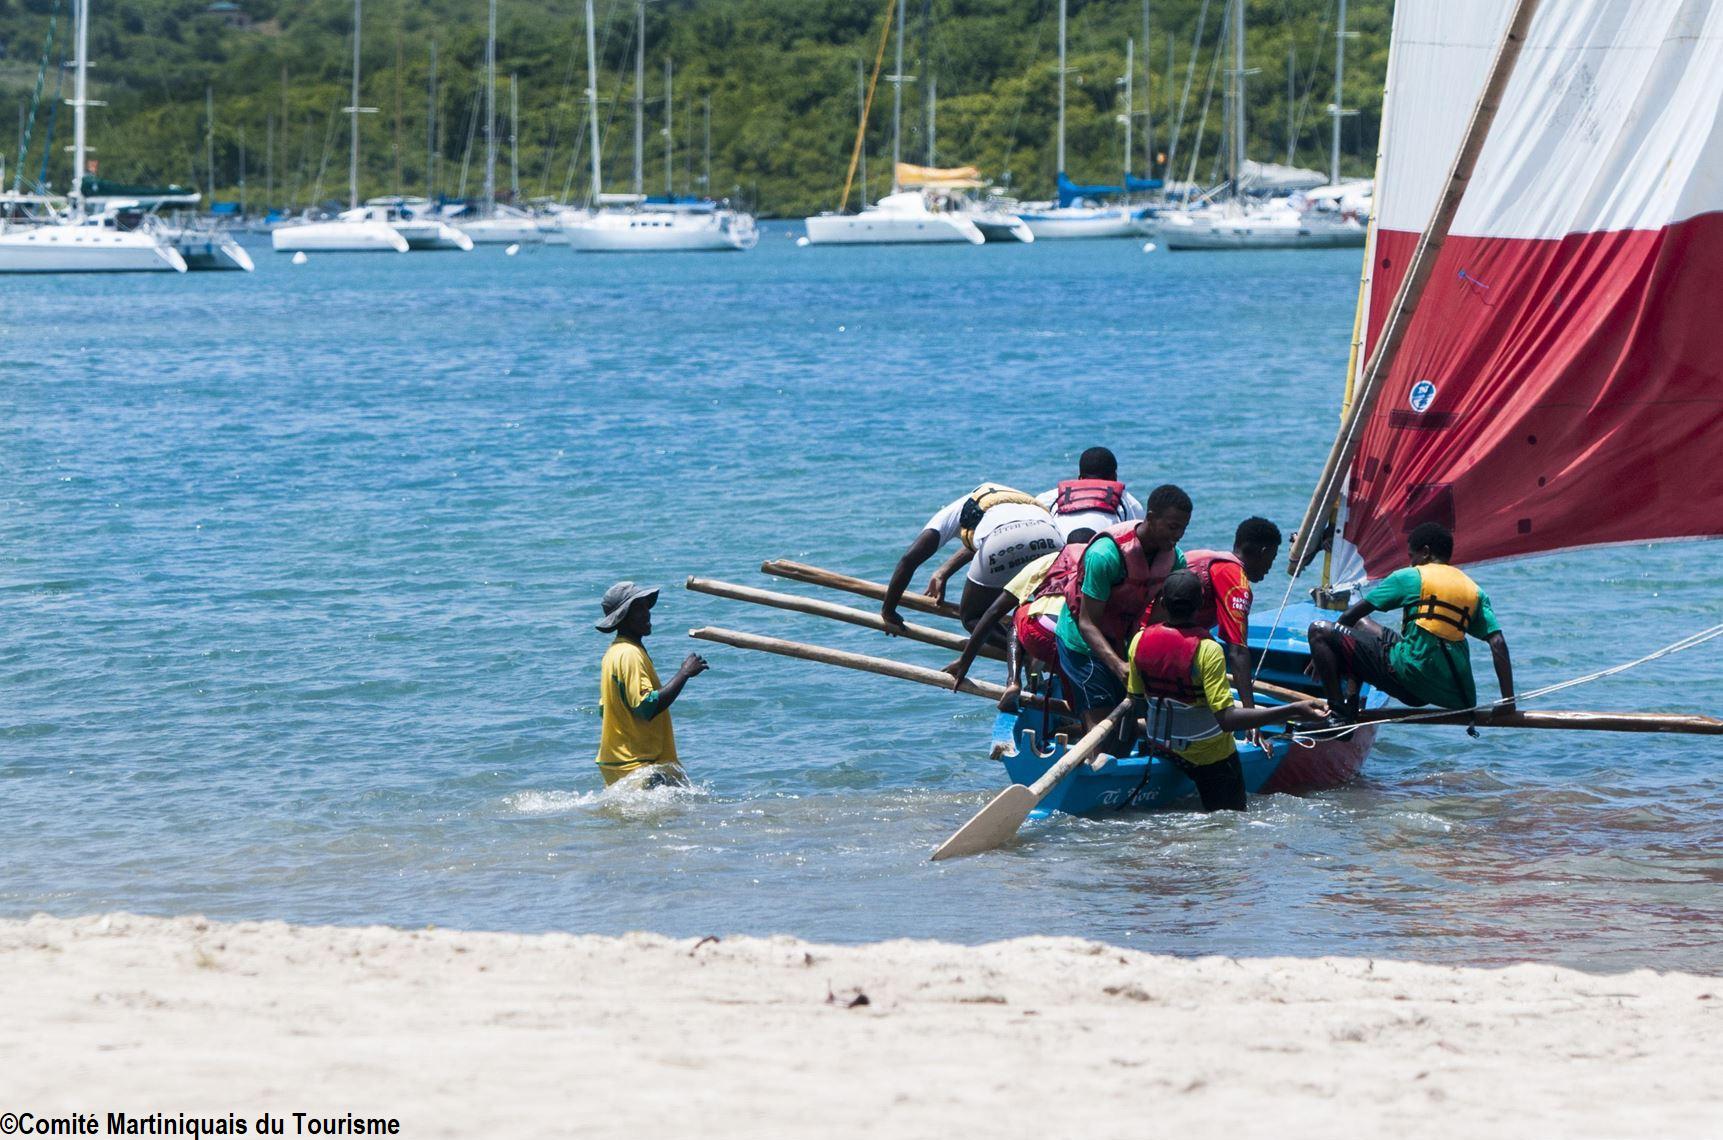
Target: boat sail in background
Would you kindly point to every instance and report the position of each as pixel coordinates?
(634, 223)
(493, 223)
(358, 229)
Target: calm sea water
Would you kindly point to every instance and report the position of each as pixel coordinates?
(298, 571)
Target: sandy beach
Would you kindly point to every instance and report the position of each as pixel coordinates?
(466, 1034)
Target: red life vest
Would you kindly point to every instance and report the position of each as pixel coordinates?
(1067, 566)
(1131, 597)
(1075, 496)
(1201, 563)
(1164, 659)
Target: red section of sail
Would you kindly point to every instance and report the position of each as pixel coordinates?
(1549, 394)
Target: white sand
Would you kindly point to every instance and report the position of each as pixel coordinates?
(640, 1037)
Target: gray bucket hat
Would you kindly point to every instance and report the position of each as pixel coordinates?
(619, 598)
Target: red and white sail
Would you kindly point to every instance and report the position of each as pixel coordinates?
(1561, 382)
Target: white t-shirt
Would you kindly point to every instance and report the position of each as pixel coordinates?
(1129, 509)
(1029, 528)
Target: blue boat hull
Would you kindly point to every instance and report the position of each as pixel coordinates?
(1140, 782)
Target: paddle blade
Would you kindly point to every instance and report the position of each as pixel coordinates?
(993, 826)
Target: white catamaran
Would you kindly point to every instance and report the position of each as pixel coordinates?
(38, 237)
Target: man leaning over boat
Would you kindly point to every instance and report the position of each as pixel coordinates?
(1427, 662)
(1002, 530)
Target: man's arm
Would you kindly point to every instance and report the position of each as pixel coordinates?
(1089, 625)
(660, 700)
(1504, 669)
(936, 584)
(1240, 719)
(923, 548)
(990, 617)
(1238, 664)
(1358, 612)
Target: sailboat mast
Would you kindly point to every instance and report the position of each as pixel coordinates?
(491, 111)
(1130, 102)
(897, 103)
(353, 141)
(932, 118)
(80, 93)
(209, 138)
(861, 120)
(1148, 102)
(592, 99)
(1339, 106)
(669, 133)
(640, 97)
(706, 178)
(1237, 156)
(1059, 158)
(514, 135)
(431, 128)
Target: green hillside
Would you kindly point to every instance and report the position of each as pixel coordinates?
(781, 76)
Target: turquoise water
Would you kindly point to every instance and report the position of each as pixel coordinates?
(297, 576)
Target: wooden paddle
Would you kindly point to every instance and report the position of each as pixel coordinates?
(862, 662)
(995, 825)
(814, 576)
(1571, 719)
(927, 635)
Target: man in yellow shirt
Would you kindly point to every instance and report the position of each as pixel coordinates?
(636, 735)
(1180, 671)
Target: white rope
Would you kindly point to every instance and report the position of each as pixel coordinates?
(1673, 647)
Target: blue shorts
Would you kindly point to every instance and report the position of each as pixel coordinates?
(1093, 685)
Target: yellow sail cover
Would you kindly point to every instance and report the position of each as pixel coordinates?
(939, 177)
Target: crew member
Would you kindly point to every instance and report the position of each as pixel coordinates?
(1093, 501)
(636, 736)
(1180, 673)
(1002, 530)
(1120, 573)
(1426, 663)
(1030, 631)
(1226, 579)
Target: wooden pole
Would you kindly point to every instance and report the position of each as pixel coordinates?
(814, 576)
(1569, 720)
(817, 608)
(863, 663)
(1418, 273)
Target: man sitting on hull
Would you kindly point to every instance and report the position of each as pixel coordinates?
(1426, 663)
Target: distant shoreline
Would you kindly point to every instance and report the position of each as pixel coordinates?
(462, 1034)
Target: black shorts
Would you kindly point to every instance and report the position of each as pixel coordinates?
(1365, 654)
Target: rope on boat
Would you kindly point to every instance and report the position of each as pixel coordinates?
(1688, 642)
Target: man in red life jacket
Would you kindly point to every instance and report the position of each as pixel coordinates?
(1180, 674)
(1106, 597)
(1093, 501)
(1002, 530)
(1226, 578)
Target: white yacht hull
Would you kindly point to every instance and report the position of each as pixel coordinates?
(338, 237)
(1076, 223)
(426, 234)
(205, 251)
(877, 227)
(1179, 231)
(57, 248)
(502, 231)
(650, 232)
(1001, 227)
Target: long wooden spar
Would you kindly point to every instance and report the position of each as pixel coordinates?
(885, 667)
(1572, 720)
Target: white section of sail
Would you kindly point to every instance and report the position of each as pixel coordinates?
(1615, 104)
(1438, 61)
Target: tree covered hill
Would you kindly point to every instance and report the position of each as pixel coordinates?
(781, 78)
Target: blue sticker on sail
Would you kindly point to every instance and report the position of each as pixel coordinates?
(1423, 395)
